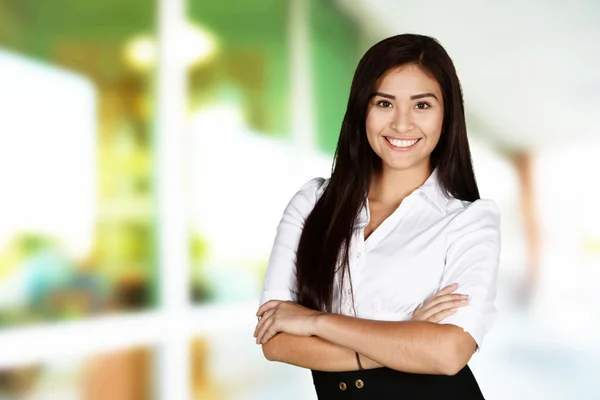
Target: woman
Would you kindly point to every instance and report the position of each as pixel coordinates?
(370, 270)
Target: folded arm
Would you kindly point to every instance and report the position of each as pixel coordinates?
(313, 352)
(414, 347)
(408, 346)
(317, 353)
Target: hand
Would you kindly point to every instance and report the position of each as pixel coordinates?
(441, 305)
(284, 316)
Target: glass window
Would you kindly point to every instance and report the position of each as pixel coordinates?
(75, 163)
(265, 106)
(118, 375)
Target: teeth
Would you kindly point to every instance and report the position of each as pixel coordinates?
(402, 143)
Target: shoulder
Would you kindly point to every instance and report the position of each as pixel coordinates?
(482, 208)
(307, 196)
(313, 187)
(481, 215)
(311, 190)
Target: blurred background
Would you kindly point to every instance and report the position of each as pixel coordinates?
(149, 147)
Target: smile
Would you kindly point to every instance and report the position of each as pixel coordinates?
(401, 144)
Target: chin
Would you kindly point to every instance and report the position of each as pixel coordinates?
(403, 164)
(399, 166)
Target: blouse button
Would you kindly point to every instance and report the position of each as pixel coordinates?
(358, 254)
(359, 384)
(343, 386)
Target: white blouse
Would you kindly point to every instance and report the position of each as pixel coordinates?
(430, 241)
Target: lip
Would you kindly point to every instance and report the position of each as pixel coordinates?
(402, 138)
(401, 148)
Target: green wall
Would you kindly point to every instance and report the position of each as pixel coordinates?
(335, 53)
(261, 27)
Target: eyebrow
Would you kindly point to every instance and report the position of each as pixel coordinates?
(414, 97)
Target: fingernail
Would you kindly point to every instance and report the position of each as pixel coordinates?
(452, 309)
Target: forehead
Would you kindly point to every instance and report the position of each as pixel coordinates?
(407, 80)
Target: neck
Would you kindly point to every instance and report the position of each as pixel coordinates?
(390, 187)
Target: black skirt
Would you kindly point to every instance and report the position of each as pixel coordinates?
(386, 383)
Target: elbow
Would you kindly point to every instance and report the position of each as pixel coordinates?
(451, 366)
(456, 354)
(270, 351)
(449, 363)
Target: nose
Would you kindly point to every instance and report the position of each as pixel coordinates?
(402, 120)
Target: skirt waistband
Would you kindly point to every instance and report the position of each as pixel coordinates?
(384, 383)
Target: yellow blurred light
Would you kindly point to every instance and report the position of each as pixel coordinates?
(194, 46)
(140, 52)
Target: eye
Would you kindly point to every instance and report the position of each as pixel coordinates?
(422, 105)
(384, 104)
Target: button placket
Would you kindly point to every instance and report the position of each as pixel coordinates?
(346, 297)
(355, 263)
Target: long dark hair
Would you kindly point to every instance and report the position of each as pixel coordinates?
(325, 241)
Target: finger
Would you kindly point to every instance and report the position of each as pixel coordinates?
(263, 330)
(435, 318)
(448, 289)
(267, 306)
(449, 304)
(446, 305)
(262, 322)
(416, 316)
(258, 326)
(269, 321)
(269, 335)
(434, 301)
(260, 330)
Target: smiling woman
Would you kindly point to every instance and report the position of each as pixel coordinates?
(382, 278)
(405, 113)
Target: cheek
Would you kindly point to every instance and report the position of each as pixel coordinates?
(432, 127)
(374, 124)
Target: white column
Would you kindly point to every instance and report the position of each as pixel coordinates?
(303, 119)
(172, 369)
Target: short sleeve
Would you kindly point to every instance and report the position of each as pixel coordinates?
(472, 260)
(280, 279)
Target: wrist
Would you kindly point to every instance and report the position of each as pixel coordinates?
(317, 323)
(367, 363)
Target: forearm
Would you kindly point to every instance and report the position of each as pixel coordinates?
(313, 352)
(414, 347)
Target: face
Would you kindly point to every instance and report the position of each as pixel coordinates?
(404, 118)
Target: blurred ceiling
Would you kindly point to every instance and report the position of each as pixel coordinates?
(530, 70)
